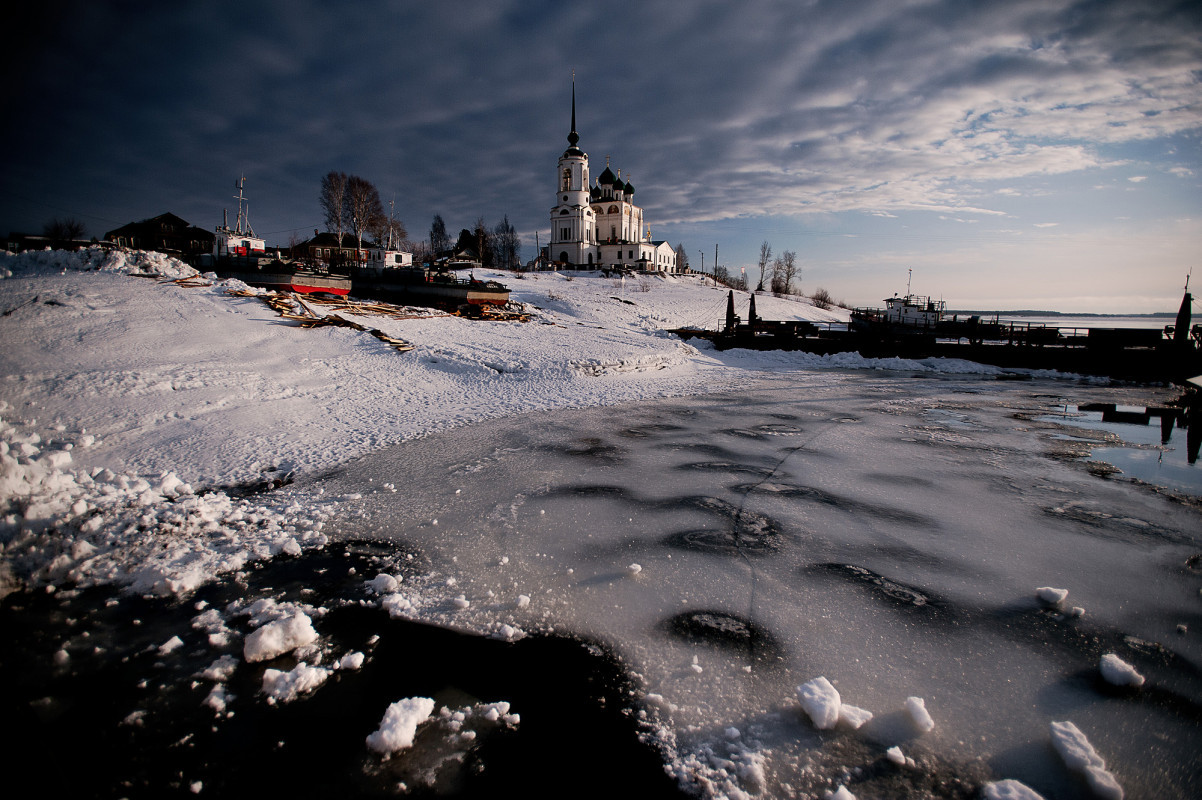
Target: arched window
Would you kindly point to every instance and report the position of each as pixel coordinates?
(567, 177)
(613, 209)
(563, 256)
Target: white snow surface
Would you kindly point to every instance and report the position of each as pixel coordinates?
(132, 408)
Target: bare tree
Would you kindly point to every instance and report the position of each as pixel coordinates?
(777, 284)
(64, 230)
(507, 244)
(389, 231)
(419, 249)
(765, 257)
(364, 211)
(682, 257)
(485, 243)
(439, 240)
(788, 269)
(333, 202)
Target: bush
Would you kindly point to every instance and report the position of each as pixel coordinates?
(822, 299)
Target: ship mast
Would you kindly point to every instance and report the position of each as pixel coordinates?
(243, 213)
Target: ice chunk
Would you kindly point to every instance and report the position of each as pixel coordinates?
(1009, 790)
(284, 687)
(1079, 756)
(399, 725)
(821, 701)
(634, 569)
(917, 708)
(853, 716)
(279, 637)
(896, 755)
(383, 584)
(1117, 671)
(839, 794)
(1051, 595)
(351, 661)
(171, 645)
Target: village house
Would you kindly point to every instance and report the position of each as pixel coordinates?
(324, 249)
(165, 233)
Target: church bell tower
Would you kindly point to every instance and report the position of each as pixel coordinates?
(572, 224)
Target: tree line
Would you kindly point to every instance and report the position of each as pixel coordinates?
(351, 204)
(498, 247)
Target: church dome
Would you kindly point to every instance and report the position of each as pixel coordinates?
(628, 188)
(608, 178)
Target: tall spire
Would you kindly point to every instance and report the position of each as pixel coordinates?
(573, 137)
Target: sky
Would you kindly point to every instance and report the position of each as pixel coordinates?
(1038, 155)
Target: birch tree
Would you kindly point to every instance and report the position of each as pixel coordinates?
(364, 211)
(765, 257)
(333, 202)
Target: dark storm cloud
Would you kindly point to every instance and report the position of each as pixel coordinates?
(124, 110)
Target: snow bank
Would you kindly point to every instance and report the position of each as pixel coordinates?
(94, 259)
(1078, 755)
(399, 725)
(155, 535)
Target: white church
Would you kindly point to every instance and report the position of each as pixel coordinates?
(600, 227)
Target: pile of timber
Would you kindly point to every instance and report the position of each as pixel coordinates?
(290, 306)
(400, 345)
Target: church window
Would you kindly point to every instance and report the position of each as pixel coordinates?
(567, 177)
(565, 234)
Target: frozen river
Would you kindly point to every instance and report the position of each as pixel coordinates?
(625, 600)
(887, 533)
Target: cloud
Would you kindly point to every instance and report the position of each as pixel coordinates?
(1138, 178)
(717, 110)
(1046, 224)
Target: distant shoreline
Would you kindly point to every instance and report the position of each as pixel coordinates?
(1030, 313)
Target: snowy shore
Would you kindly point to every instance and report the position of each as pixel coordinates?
(588, 473)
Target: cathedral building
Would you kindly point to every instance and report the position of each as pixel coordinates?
(599, 226)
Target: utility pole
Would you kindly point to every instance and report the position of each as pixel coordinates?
(702, 262)
(715, 264)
